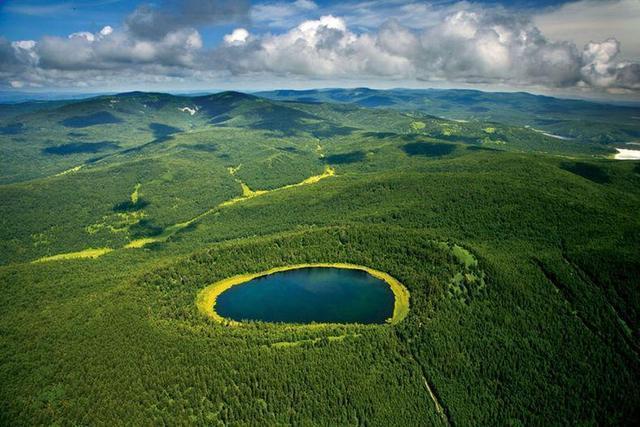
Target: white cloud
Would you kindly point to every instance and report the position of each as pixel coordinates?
(466, 44)
(105, 31)
(472, 45)
(316, 48)
(588, 20)
(601, 69)
(109, 50)
(83, 35)
(238, 36)
(24, 44)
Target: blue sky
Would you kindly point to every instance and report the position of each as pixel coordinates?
(585, 46)
(34, 19)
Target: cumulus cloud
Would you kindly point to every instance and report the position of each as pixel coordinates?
(601, 69)
(315, 48)
(237, 37)
(583, 21)
(15, 58)
(494, 47)
(154, 43)
(89, 59)
(473, 45)
(110, 50)
(466, 43)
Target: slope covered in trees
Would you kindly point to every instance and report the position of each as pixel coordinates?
(543, 329)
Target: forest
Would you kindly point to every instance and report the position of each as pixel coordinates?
(520, 251)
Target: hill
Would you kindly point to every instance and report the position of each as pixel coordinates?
(573, 119)
(46, 138)
(521, 253)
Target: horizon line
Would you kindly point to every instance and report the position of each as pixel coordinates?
(58, 95)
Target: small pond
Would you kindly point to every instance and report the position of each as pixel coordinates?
(313, 294)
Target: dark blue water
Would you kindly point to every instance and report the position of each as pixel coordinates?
(316, 294)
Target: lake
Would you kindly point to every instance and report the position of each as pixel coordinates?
(306, 295)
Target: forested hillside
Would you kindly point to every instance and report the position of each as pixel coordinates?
(520, 250)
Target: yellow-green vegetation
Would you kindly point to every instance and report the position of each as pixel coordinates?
(417, 125)
(490, 130)
(139, 243)
(87, 253)
(328, 172)
(232, 201)
(206, 300)
(248, 193)
(464, 256)
(71, 170)
(136, 194)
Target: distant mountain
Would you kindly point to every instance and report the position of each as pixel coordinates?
(12, 97)
(597, 122)
(53, 136)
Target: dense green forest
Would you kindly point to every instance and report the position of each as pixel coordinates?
(117, 210)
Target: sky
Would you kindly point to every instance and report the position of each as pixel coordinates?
(584, 48)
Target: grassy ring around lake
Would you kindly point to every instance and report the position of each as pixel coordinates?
(206, 299)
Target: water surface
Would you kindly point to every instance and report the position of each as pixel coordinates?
(305, 295)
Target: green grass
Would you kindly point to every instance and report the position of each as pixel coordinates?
(86, 253)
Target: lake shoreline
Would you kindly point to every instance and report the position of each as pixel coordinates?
(206, 299)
